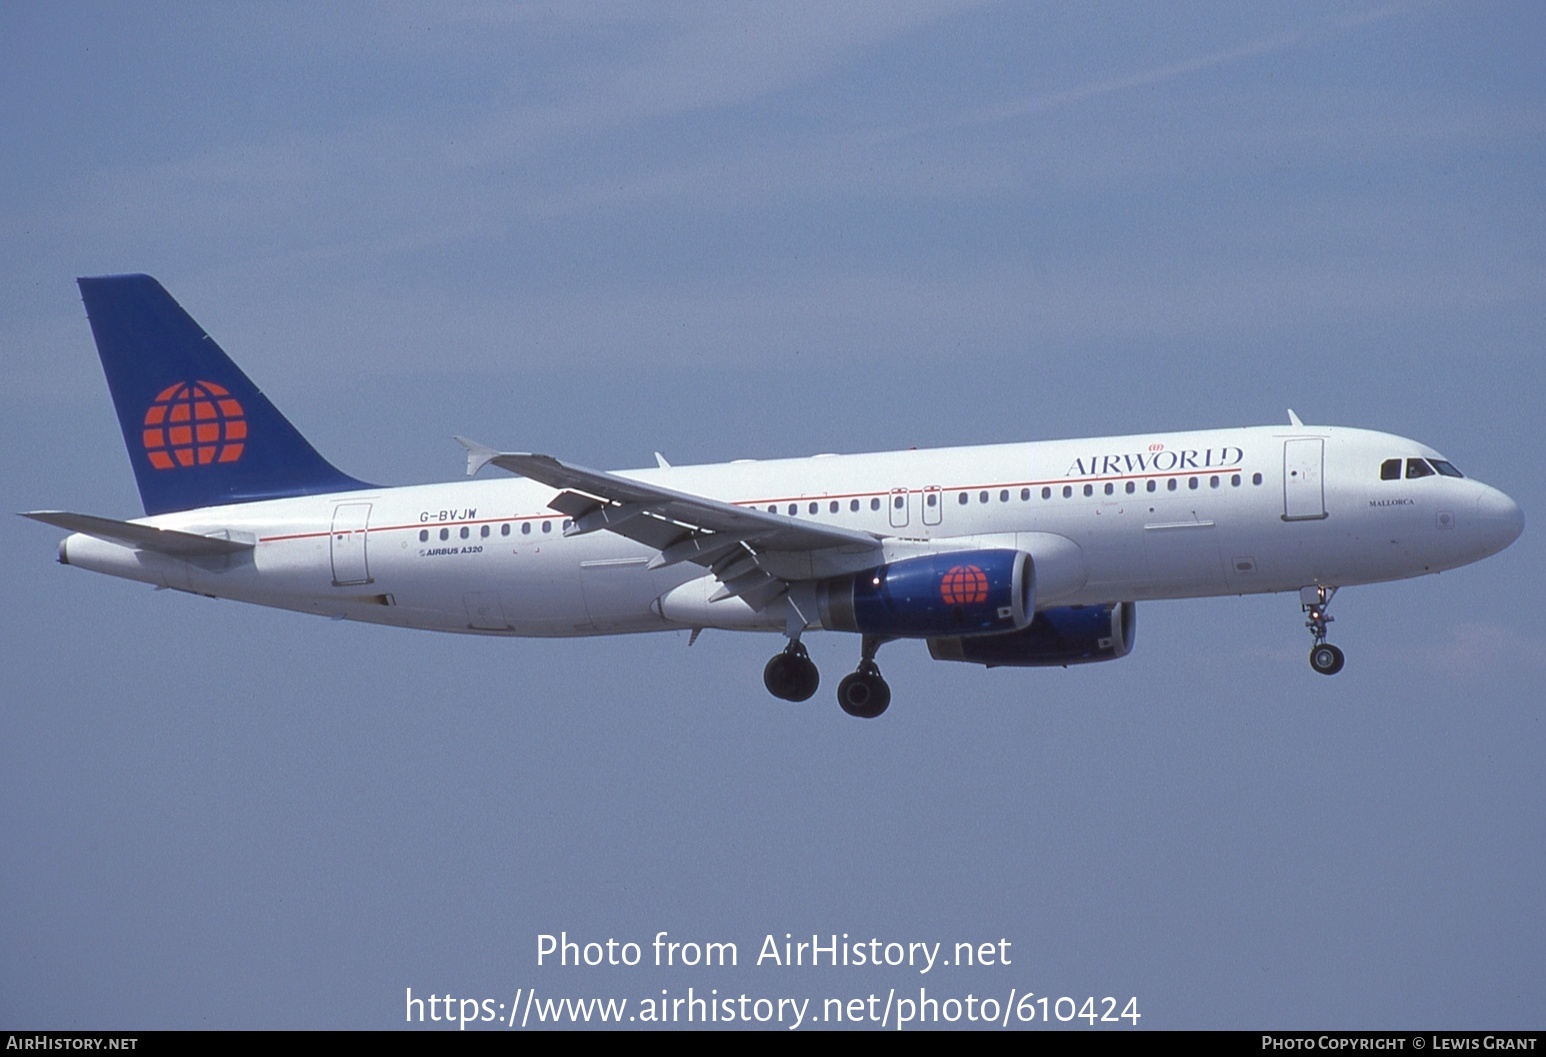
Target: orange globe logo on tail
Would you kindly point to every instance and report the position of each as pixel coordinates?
(194, 424)
(964, 585)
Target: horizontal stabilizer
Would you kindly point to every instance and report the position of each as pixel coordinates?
(145, 537)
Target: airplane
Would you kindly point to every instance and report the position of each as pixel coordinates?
(1019, 555)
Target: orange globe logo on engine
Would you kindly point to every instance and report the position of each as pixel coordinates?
(194, 424)
(964, 585)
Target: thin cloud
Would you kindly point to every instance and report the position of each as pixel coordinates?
(1484, 647)
(1187, 67)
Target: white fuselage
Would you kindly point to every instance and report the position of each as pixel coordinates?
(1171, 515)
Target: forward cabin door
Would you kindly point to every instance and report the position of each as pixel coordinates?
(1304, 492)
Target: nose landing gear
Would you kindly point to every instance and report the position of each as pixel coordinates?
(1324, 657)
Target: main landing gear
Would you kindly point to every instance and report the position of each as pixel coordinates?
(865, 693)
(1324, 657)
(792, 676)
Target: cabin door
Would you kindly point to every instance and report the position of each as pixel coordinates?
(1304, 493)
(350, 525)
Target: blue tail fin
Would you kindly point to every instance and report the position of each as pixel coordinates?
(199, 432)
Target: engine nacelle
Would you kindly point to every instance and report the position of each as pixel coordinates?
(963, 593)
(1060, 636)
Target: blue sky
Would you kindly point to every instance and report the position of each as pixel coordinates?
(723, 231)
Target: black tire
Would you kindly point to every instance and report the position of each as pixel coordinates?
(1327, 659)
(864, 695)
(807, 679)
(791, 677)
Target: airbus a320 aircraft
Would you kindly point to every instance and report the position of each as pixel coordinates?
(1021, 555)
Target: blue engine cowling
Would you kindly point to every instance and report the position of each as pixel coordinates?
(983, 592)
(1061, 636)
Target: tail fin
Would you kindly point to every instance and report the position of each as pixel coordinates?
(199, 432)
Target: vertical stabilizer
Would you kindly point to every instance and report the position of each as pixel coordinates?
(199, 433)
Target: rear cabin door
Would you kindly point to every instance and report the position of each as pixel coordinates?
(350, 524)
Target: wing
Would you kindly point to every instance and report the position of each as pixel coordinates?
(754, 554)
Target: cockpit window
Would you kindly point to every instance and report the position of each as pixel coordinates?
(1390, 470)
(1446, 468)
(1418, 468)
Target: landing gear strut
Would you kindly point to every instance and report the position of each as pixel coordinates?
(791, 675)
(1324, 657)
(865, 693)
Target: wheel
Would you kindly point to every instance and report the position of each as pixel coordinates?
(807, 679)
(791, 676)
(1327, 659)
(864, 694)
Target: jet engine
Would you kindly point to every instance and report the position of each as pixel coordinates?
(1062, 635)
(960, 593)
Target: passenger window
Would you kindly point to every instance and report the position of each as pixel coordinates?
(793, 509)
(853, 506)
(1046, 493)
(423, 535)
(1170, 485)
(547, 526)
(814, 507)
(1235, 481)
(526, 528)
(484, 531)
(982, 497)
(504, 530)
(1256, 478)
(1152, 485)
(899, 502)
(875, 503)
(933, 499)
(1003, 496)
(1068, 490)
(1089, 489)
(1131, 487)
(1390, 470)
(1213, 482)
(445, 534)
(1025, 495)
(1417, 468)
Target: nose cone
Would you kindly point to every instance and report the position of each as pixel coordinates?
(1499, 519)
